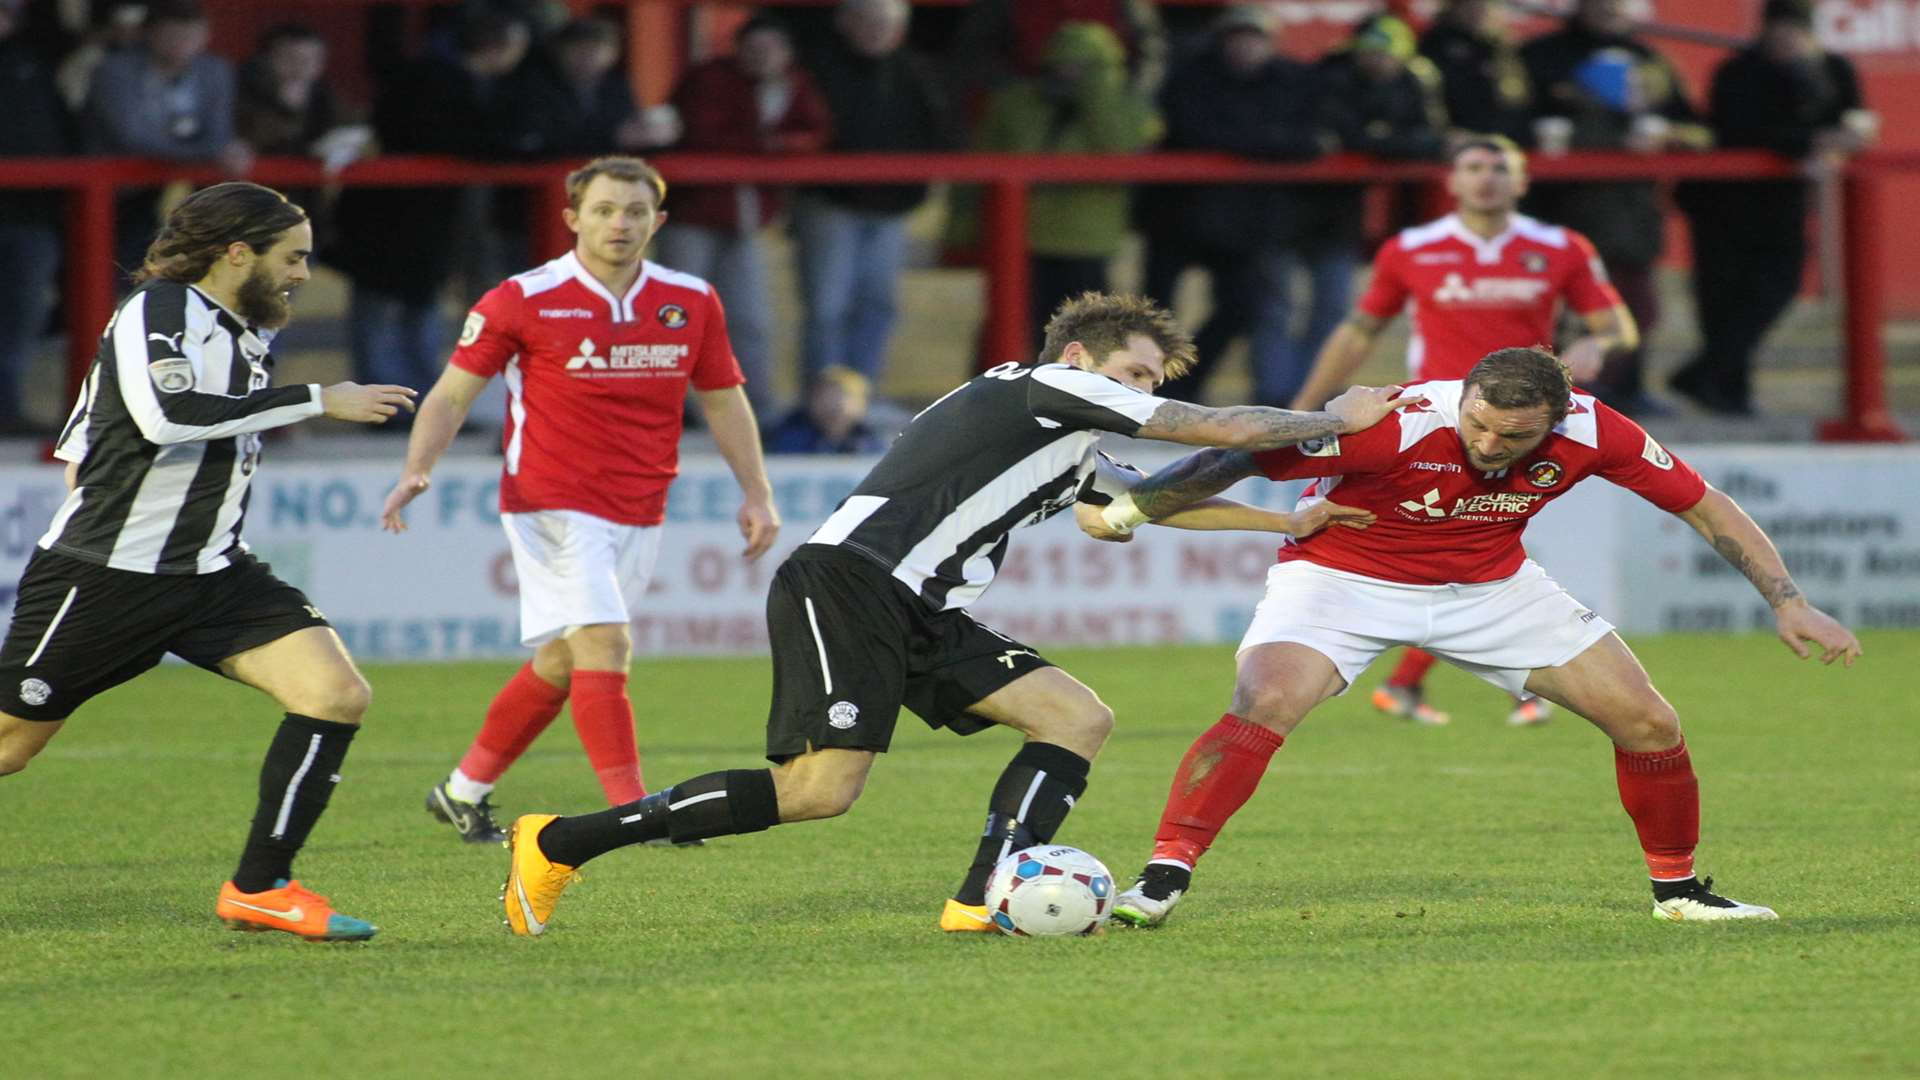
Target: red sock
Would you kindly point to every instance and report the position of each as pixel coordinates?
(1214, 780)
(1413, 668)
(520, 712)
(603, 716)
(1662, 797)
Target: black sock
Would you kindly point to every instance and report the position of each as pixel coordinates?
(296, 780)
(1032, 798)
(1667, 890)
(1161, 880)
(717, 804)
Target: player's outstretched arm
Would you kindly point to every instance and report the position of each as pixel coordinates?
(1221, 514)
(1744, 545)
(1182, 484)
(441, 415)
(1339, 358)
(1256, 427)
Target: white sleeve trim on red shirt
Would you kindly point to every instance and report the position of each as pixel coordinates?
(1432, 232)
(679, 277)
(1582, 424)
(1442, 410)
(548, 275)
(1554, 236)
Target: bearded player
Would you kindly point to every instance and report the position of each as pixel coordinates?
(1482, 278)
(1454, 484)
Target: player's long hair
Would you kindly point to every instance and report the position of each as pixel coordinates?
(1521, 379)
(210, 220)
(1102, 322)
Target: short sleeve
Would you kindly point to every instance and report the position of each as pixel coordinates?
(1372, 450)
(490, 337)
(1588, 289)
(1083, 401)
(716, 368)
(1632, 459)
(1107, 479)
(1386, 291)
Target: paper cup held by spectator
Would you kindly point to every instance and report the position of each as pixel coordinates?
(1553, 135)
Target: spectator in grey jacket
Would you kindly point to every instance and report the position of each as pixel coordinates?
(170, 99)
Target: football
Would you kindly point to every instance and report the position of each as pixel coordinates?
(1049, 891)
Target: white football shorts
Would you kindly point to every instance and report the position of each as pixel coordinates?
(1501, 630)
(577, 570)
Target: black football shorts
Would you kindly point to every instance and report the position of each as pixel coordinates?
(851, 645)
(80, 628)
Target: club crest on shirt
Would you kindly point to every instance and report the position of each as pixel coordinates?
(470, 332)
(172, 375)
(1545, 474)
(1533, 262)
(1657, 455)
(672, 316)
(1327, 447)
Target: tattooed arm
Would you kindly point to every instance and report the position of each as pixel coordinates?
(1255, 427)
(1742, 543)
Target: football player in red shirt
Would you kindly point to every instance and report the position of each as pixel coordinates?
(598, 349)
(1482, 278)
(1453, 484)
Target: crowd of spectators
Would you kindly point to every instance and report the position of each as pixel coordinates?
(511, 79)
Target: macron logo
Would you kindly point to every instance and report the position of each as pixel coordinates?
(566, 313)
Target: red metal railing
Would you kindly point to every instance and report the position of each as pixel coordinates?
(92, 183)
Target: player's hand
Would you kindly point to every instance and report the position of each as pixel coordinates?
(1087, 516)
(366, 404)
(403, 493)
(1322, 514)
(1801, 624)
(759, 524)
(1361, 407)
(1585, 358)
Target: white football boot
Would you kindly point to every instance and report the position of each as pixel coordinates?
(1701, 904)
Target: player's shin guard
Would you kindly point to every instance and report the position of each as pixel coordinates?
(603, 715)
(1412, 669)
(717, 804)
(520, 712)
(296, 780)
(1034, 795)
(1662, 796)
(1214, 780)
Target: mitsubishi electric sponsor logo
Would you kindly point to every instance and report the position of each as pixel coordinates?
(1489, 291)
(628, 359)
(1473, 506)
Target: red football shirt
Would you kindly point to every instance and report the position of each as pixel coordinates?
(597, 383)
(1442, 521)
(1470, 296)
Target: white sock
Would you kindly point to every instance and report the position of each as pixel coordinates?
(465, 788)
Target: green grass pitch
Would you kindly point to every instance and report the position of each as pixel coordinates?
(1395, 901)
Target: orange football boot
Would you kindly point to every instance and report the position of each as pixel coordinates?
(292, 907)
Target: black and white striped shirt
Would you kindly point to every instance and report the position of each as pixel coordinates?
(166, 433)
(1013, 447)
